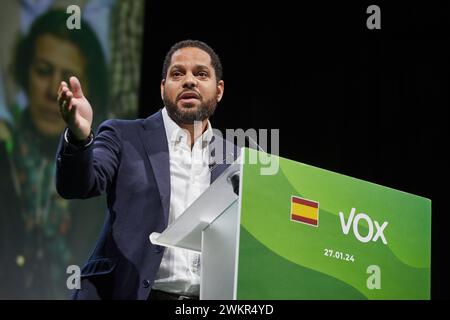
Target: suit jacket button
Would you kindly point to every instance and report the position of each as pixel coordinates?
(146, 283)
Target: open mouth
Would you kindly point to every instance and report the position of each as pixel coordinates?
(188, 96)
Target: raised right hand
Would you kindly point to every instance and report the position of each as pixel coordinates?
(75, 109)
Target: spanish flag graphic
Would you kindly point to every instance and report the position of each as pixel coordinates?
(304, 211)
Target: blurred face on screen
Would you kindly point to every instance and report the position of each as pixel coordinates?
(190, 91)
(54, 60)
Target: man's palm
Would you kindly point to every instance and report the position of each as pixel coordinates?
(75, 109)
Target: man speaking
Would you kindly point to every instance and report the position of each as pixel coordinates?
(151, 169)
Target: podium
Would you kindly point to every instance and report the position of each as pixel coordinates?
(302, 232)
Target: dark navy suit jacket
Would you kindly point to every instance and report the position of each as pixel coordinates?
(129, 160)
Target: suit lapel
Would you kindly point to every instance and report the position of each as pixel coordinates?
(155, 143)
(154, 139)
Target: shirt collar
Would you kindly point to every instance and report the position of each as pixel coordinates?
(175, 133)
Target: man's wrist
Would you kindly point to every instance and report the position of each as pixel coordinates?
(71, 140)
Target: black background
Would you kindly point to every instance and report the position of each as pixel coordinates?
(371, 104)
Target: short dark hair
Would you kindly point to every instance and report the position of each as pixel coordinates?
(215, 60)
(53, 22)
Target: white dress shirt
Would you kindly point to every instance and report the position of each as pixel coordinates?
(189, 178)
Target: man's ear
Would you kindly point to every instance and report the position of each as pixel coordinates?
(220, 89)
(163, 82)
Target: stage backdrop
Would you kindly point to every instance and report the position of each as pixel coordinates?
(42, 234)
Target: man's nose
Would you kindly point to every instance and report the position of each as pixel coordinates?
(189, 81)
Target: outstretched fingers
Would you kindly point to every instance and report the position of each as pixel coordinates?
(62, 85)
(76, 87)
(64, 101)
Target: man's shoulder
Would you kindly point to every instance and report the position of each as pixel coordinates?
(130, 124)
(121, 123)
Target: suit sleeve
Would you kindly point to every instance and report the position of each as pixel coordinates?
(90, 171)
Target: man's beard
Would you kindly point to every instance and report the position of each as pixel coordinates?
(188, 115)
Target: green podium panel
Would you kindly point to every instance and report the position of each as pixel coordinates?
(308, 233)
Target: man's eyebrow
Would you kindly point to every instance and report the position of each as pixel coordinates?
(202, 66)
(197, 66)
(177, 66)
